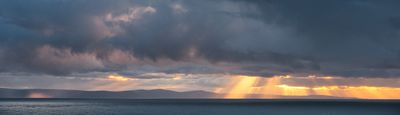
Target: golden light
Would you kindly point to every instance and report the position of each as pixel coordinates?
(246, 86)
(294, 90)
(241, 87)
(117, 78)
(270, 87)
(177, 77)
(361, 92)
(38, 95)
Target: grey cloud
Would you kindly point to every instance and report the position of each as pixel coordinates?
(259, 37)
(347, 38)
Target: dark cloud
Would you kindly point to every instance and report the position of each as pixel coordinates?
(259, 37)
(347, 38)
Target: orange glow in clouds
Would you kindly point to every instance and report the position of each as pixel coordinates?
(259, 87)
(118, 78)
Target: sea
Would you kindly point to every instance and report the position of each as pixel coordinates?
(197, 107)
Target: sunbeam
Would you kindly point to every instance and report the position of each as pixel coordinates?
(274, 87)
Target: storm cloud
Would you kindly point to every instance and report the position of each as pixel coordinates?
(347, 38)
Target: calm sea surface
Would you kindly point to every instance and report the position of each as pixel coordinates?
(196, 107)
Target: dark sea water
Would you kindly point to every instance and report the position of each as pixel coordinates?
(196, 107)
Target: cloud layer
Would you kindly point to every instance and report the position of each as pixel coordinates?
(347, 38)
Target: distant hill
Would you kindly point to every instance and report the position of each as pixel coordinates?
(133, 94)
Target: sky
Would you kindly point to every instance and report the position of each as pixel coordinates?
(342, 48)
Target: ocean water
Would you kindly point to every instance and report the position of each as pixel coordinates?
(196, 107)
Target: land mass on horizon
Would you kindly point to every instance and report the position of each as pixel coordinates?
(131, 94)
